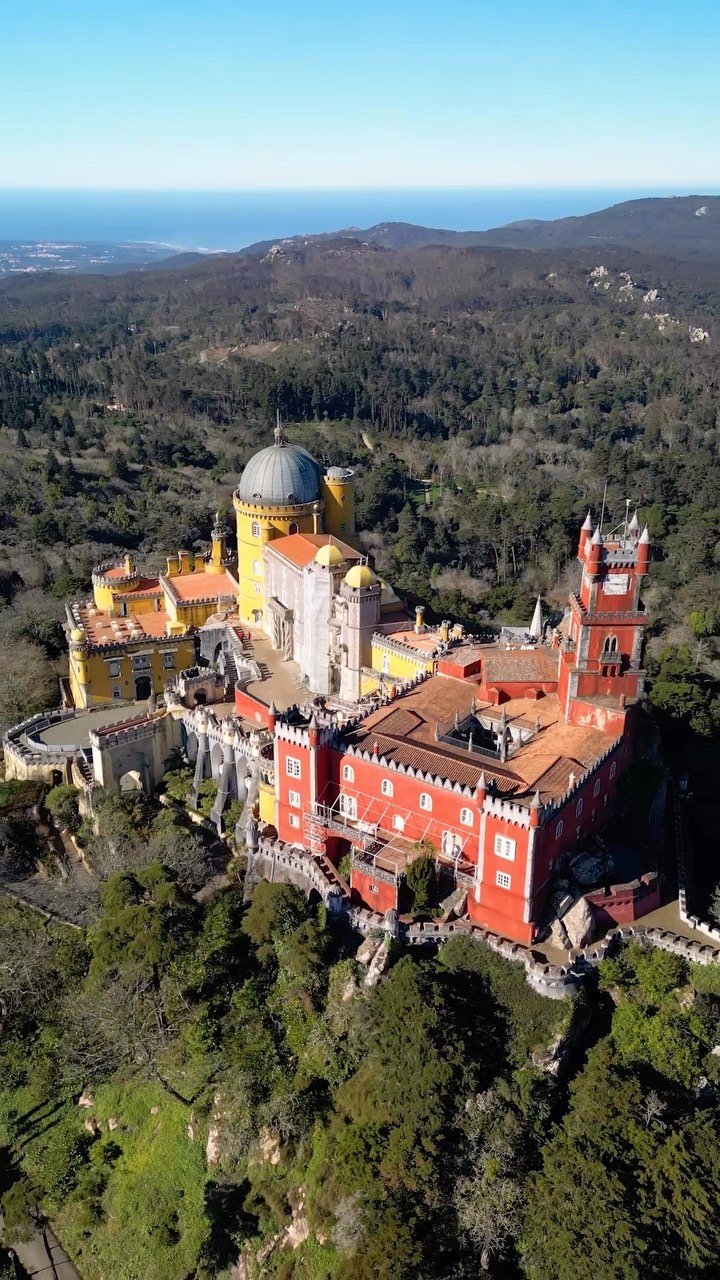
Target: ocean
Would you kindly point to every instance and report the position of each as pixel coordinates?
(231, 219)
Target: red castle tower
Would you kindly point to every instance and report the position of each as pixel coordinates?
(600, 661)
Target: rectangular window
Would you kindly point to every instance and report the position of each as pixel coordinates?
(373, 888)
(385, 664)
(294, 819)
(114, 668)
(502, 880)
(168, 661)
(292, 767)
(141, 661)
(348, 806)
(505, 848)
(258, 589)
(117, 691)
(294, 799)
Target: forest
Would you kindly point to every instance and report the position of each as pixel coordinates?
(188, 1084)
(191, 1081)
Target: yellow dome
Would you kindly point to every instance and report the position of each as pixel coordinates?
(329, 555)
(77, 635)
(361, 575)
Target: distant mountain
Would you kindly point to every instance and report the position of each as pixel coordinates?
(681, 226)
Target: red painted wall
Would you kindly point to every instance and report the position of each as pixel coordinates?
(376, 894)
(375, 808)
(288, 829)
(250, 709)
(625, 902)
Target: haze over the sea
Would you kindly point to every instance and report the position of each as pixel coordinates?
(232, 219)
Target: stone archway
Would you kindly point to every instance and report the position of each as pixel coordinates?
(191, 745)
(131, 781)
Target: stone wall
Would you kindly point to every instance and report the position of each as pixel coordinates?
(276, 861)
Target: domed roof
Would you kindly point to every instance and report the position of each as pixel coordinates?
(361, 575)
(329, 555)
(279, 475)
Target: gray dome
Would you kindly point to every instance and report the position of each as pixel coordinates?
(283, 473)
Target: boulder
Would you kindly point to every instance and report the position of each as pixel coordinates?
(379, 965)
(588, 870)
(366, 950)
(86, 1099)
(578, 924)
(113, 1123)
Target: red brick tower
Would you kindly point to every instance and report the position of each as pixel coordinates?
(600, 659)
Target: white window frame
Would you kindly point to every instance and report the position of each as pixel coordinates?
(559, 829)
(385, 664)
(386, 788)
(426, 801)
(613, 768)
(294, 820)
(257, 567)
(293, 767)
(451, 844)
(347, 805)
(348, 773)
(168, 661)
(596, 788)
(295, 799)
(505, 847)
(503, 880)
(467, 817)
(258, 589)
(579, 808)
(255, 529)
(114, 668)
(116, 691)
(398, 822)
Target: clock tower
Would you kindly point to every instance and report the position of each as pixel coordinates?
(601, 650)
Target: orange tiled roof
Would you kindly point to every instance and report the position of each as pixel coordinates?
(405, 732)
(186, 587)
(145, 586)
(300, 548)
(103, 628)
(426, 642)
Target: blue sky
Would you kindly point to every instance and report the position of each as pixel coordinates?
(309, 93)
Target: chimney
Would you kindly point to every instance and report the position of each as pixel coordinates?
(419, 616)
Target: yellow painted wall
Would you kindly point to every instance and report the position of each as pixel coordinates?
(91, 683)
(369, 684)
(339, 509)
(266, 803)
(256, 526)
(401, 666)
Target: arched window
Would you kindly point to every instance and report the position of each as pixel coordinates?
(386, 787)
(559, 830)
(294, 527)
(578, 808)
(255, 529)
(385, 664)
(613, 769)
(257, 567)
(596, 788)
(425, 800)
(466, 817)
(348, 773)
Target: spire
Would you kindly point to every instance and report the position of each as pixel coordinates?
(597, 537)
(279, 433)
(587, 525)
(536, 626)
(645, 536)
(536, 801)
(634, 524)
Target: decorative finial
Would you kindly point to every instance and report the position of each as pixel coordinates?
(279, 433)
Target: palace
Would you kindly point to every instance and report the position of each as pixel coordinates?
(295, 678)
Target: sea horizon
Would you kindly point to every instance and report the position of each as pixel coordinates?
(217, 220)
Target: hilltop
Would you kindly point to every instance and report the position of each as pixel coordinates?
(677, 225)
